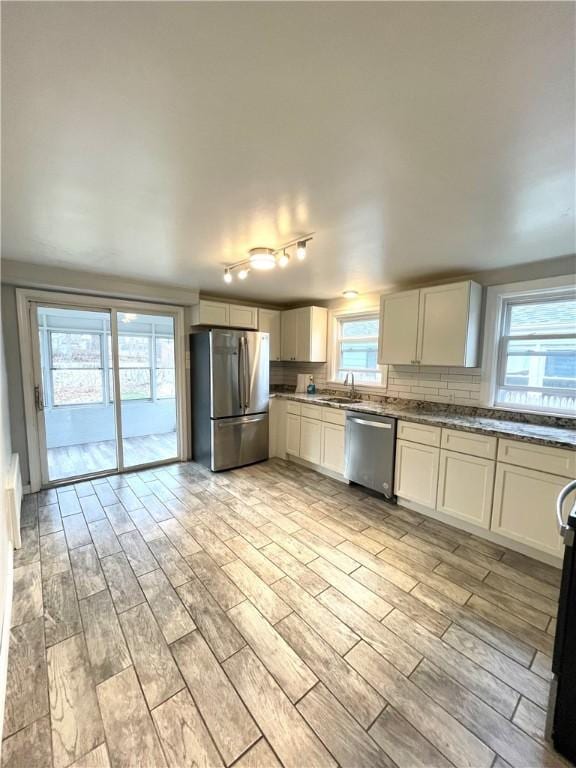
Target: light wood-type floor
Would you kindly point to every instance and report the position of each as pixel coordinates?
(89, 458)
(269, 616)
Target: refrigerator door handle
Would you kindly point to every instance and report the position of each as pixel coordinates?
(223, 423)
(241, 371)
(246, 374)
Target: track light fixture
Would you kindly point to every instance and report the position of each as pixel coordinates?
(265, 259)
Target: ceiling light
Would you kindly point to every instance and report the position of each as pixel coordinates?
(349, 294)
(265, 259)
(262, 258)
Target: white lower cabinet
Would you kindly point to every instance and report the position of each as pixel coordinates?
(416, 477)
(524, 507)
(333, 437)
(316, 434)
(277, 428)
(293, 434)
(310, 440)
(465, 486)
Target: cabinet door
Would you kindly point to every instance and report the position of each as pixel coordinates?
(524, 507)
(302, 331)
(214, 313)
(243, 317)
(465, 487)
(310, 440)
(317, 334)
(269, 322)
(443, 324)
(398, 328)
(417, 472)
(293, 434)
(277, 427)
(333, 447)
(288, 334)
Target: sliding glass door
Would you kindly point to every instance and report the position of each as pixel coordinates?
(146, 367)
(82, 359)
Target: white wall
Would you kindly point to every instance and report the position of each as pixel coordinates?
(5, 543)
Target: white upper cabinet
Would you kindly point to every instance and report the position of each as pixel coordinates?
(269, 322)
(243, 317)
(398, 328)
(304, 334)
(431, 326)
(218, 313)
(211, 313)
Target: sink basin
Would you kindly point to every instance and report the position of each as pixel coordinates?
(344, 400)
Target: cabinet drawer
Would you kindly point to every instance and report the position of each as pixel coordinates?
(311, 411)
(418, 433)
(292, 407)
(333, 415)
(469, 442)
(557, 461)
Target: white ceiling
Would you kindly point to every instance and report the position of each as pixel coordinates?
(161, 140)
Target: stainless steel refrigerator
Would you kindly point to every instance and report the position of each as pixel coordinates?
(229, 376)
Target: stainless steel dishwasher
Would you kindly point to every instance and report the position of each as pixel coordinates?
(370, 452)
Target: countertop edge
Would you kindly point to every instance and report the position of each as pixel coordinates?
(552, 437)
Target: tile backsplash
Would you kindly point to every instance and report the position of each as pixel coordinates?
(460, 386)
(435, 384)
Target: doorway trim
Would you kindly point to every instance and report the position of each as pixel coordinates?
(24, 298)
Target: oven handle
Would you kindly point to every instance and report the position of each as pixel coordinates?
(564, 493)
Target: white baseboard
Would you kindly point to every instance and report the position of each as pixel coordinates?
(5, 634)
(482, 533)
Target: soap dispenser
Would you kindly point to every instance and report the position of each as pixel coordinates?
(311, 388)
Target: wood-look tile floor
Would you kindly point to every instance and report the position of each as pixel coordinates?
(269, 616)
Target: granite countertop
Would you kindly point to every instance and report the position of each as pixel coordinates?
(543, 434)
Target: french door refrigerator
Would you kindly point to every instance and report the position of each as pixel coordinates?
(229, 376)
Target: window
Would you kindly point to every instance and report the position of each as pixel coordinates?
(76, 355)
(356, 349)
(75, 368)
(165, 378)
(135, 357)
(536, 367)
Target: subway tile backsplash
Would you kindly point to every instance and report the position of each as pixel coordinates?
(432, 384)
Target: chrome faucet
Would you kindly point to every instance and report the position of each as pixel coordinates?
(349, 381)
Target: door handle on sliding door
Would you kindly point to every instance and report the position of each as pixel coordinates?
(38, 399)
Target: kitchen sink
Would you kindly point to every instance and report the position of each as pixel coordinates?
(344, 400)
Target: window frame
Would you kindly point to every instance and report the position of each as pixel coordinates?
(335, 317)
(105, 368)
(499, 299)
